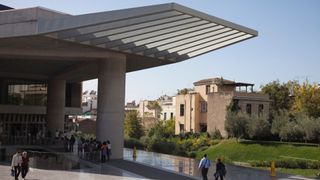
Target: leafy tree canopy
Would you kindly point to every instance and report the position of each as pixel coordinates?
(132, 125)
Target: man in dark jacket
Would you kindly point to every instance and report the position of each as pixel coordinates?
(220, 170)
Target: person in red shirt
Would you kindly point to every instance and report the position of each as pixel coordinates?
(104, 150)
(24, 164)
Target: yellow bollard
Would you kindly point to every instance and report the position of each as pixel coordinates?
(134, 152)
(273, 169)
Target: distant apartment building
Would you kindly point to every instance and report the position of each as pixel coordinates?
(86, 122)
(204, 108)
(167, 104)
(131, 106)
(89, 100)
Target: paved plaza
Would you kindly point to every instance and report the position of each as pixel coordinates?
(148, 165)
(96, 172)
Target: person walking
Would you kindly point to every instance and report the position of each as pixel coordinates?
(104, 149)
(204, 166)
(16, 164)
(71, 143)
(24, 165)
(220, 170)
(109, 150)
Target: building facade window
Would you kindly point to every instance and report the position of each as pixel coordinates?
(248, 108)
(171, 115)
(207, 89)
(260, 109)
(203, 106)
(181, 109)
(181, 127)
(164, 116)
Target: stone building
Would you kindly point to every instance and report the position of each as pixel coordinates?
(204, 108)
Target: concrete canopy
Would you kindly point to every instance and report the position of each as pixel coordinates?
(66, 46)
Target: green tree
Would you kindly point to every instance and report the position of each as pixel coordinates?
(154, 105)
(236, 124)
(307, 99)
(233, 106)
(132, 125)
(259, 127)
(280, 94)
(280, 122)
(163, 129)
(309, 126)
(183, 91)
(169, 127)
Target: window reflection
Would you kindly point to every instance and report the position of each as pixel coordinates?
(27, 94)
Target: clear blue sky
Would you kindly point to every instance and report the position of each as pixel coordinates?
(287, 48)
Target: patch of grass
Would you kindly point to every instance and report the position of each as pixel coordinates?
(310, 173)
(243, 152)
(234, 151)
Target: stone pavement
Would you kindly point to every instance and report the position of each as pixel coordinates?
(148, 165)
(97, 172)
(150, 172)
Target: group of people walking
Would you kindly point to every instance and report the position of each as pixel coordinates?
(205, 164)
(20, 164)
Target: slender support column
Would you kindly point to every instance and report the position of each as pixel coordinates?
(56, 104)
(111, 97)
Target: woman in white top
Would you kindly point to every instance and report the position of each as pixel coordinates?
(16, 164)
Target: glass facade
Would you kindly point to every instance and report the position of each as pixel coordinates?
(27, 94)
(20, 92)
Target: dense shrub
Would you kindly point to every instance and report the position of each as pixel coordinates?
(216, 134)
(163, 147)
(288, 163)
(192, 154)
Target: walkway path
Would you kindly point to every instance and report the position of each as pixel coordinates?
(96, 172)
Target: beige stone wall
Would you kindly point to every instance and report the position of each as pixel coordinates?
(203, 97)
(202, 91)
(226, 88)
(196, 113)
(144, 111)
(217, 103)
(254, 106)
(255, 99)
(190, 119)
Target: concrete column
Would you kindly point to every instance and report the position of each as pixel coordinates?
(111, 97)
(55, 105)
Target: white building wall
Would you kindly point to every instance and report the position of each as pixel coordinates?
(89, 102)
(168, 109)
(144, 111)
